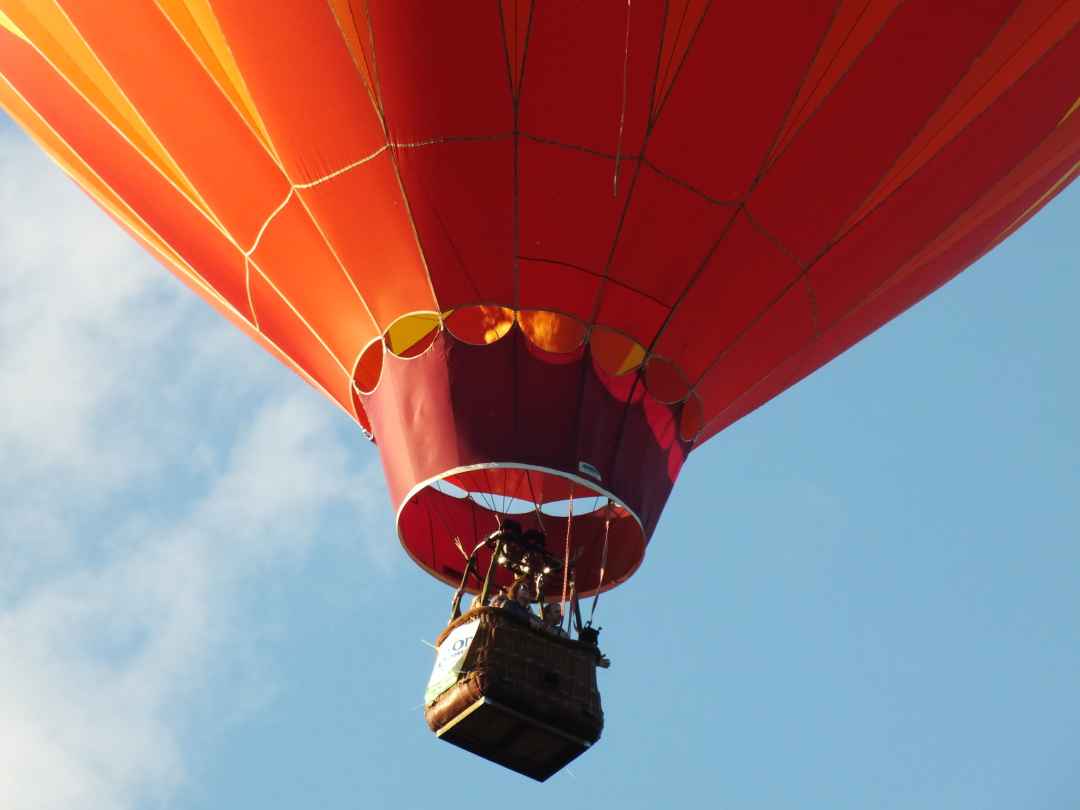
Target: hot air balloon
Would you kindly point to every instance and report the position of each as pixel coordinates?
(540, 251)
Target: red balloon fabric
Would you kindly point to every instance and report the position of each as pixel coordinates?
(542, 250)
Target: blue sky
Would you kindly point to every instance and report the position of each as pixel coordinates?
(865, 594)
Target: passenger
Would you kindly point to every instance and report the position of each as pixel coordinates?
(519, 598)
(553, 617)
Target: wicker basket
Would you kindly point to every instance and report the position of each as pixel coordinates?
(546, 678)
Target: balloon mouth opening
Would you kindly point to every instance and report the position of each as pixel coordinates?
(557, 336)
(442, 520)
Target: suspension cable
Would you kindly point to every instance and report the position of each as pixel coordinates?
(573, 617)
(566, 561)
(603, 566)
(536, 503)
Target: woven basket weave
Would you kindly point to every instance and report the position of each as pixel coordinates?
(551, 679)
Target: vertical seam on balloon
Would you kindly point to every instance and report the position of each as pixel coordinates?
(765, 162)
(525, 49)
(266, 222)
(247, 288)
(898, 167)
(373, 68)
(375, 97)
(793, 113)
(394, 160)
(674, 43)
(514, 88)
(671, 178)
(941, 244)
(771, 160)
(513, 63)
(8, 24)
(809, 266)
(204, 212)
(839, 235)
(266, 144)
(811, 295)
(201, 201)
(622, 112)
(337, 258)
(375, 104)
(698, 272)
(516, 211)
(655, 104)
(804, 267)
(774, 239)
(515, 105)
(314, 332)
(340, 263)
(742, 207)
(454, 248)
(901, 269)
(655, 116)
(1070, 111)
(506, 46)
(254, 105)
(249, 258)
(294, 190)
(598, 297)
(751, 324)
(178, 262)
(133, 214)
(216, 224)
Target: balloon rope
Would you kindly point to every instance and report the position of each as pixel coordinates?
(603, 565)
(486, 499)
(536, 503)
(622, 113)
(573, 620)
(566, 562)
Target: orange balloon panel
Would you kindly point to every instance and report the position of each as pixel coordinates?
(598, 231)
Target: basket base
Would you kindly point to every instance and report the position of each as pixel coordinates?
(511, 739)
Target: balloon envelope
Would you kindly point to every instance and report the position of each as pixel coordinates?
(541, 251)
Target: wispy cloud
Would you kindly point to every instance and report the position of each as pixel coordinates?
(153, 466)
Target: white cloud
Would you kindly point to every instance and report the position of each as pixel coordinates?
(149, 474)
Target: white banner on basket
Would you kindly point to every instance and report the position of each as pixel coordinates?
(448, 660)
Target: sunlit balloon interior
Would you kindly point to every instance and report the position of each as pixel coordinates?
(576, 517)
(548, 331)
